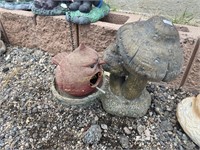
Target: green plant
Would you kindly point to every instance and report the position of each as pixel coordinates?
(112, 8)
(184, 18)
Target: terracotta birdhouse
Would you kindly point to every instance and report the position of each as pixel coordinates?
(78, 73)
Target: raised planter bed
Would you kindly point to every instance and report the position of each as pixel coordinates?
(51, 34)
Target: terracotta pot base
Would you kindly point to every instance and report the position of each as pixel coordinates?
(67, 99)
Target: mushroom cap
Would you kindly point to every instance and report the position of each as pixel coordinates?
(151, 48)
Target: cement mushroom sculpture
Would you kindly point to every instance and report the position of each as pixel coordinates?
(77, 75)
(188, 115)
(143, 51)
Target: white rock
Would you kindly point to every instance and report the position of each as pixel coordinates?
(104, 126)
(127, 131)
(147, 134)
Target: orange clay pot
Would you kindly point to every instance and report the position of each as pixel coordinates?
(78, 73)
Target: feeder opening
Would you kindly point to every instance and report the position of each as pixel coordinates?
(94, 81)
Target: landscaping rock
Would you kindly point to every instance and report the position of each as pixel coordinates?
(92, 135)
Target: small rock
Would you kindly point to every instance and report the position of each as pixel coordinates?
(166, 126)
(127, 131)
(6, 69)
(104, 126)
(147, 134)
(34, 110)
(39, 107)
(140, 129)
(96, 118)
(92, 135)
(124, 142)
(150, 113)
(184, 137)
(168, 108)
(180, 147)
(169, 132)
(7, 147)
(35, 135)
(158, 111)
(26, 145)
(54, 128)
(1, 143)
(8, 58)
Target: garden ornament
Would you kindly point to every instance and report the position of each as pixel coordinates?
(16, 4)
(83, 12)
(188, 115)
(48, 7)
(46, 4)
(143, 51)
(79, 73)
(84, 6)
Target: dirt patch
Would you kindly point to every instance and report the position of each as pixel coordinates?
(182, 28)
(192, 82)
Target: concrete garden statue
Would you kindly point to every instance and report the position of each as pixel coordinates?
(143, 51)
(78, 75)
(188, 115)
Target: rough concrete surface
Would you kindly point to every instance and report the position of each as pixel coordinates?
(171, 8)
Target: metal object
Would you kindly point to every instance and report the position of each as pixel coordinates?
(70, 28)
(34, 19)
(77, 35)
(189, 66)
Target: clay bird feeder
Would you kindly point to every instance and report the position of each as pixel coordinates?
(143, 51)
(188, 115)
(78, 75)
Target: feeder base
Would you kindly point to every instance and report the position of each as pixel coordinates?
(67, 99)
(120, 106)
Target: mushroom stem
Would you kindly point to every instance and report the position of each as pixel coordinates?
(116, 82)
(133, 86)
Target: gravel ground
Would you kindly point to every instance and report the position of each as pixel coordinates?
(30, 118)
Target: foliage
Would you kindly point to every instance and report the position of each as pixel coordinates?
(184, 18)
